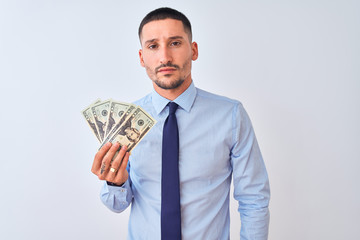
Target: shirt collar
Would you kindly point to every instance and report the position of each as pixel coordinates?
(185, 100)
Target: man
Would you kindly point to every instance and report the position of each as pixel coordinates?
(212, 148)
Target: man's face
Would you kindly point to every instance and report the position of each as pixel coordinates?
(167, 53)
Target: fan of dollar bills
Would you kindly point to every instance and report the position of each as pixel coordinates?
(113, 121)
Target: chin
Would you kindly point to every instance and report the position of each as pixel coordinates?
(167, 85)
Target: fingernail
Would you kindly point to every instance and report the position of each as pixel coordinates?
(124, 147)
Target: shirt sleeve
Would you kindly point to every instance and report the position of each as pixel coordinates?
(117, 198)
(251, 184)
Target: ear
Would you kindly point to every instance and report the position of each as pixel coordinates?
(195, 51)
(141, 58)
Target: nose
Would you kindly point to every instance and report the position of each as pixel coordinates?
(165, 55)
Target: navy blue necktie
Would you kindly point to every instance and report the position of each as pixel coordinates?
(170, 188)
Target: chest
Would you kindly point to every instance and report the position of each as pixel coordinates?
(204, 149)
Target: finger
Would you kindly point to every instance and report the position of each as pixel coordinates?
(99, 158)
(105, 165)
(124, 161)
(115, 163)
(122, 174)
(121, 178)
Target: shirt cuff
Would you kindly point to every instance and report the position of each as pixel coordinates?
(113, 184)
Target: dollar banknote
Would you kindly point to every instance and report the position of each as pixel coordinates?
(116, 115)
(87, 113)
(100, 113)
(113, 121)
(136, 125)
(124, 116)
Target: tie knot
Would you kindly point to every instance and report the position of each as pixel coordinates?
(172, 107)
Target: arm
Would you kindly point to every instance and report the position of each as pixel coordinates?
(114, 170)
(251, 184)
(117, 198)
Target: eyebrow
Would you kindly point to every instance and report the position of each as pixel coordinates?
(155, 39)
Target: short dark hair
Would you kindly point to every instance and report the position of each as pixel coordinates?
(166, 13)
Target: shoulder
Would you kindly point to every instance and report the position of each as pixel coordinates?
(143, 101)
(146, 104)
(218, 100)
(225, 107)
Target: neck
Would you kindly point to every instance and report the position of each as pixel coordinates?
(172, 94)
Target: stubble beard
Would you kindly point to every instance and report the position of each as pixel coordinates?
(173, 84)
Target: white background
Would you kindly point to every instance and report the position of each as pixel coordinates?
(293, 64)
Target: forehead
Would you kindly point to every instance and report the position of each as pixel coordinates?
(159, 29)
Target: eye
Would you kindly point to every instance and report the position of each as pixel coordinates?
(175, 43)
(152, 46)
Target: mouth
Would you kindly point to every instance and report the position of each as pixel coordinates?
(166, 70)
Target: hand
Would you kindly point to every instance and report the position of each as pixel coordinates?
(110, 168)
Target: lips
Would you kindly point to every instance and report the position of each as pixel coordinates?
(167, 70)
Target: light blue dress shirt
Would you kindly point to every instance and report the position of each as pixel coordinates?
(217, 143)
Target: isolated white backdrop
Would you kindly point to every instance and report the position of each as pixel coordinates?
(293, 64)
